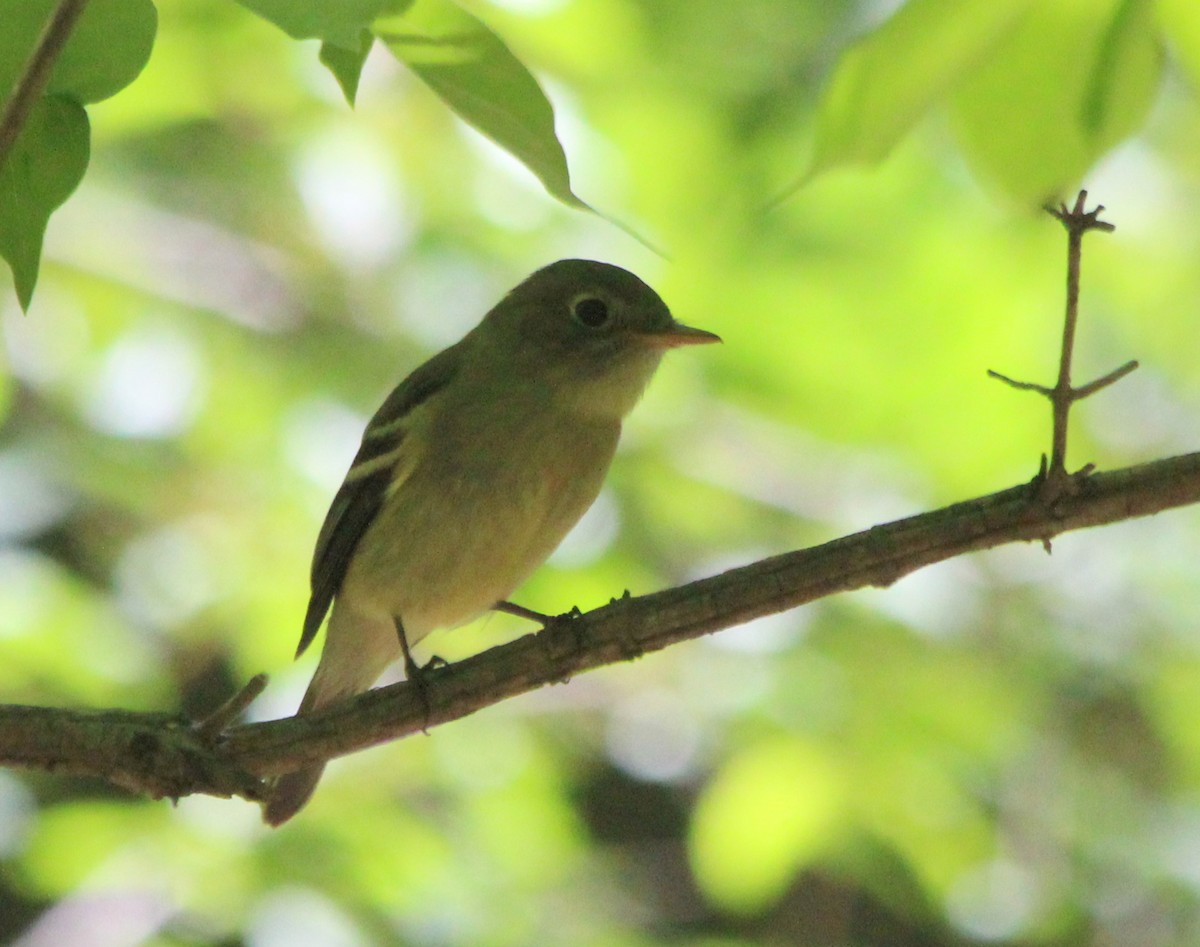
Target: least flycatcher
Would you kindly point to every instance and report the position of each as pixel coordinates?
(473, 470)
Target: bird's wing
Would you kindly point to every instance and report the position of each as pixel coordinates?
(361, 494)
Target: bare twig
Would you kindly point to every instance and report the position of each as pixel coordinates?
(1105, 380)
(36, 74)
(1021, 385)
(512, 608)
(1053, 480)
(1078, 221)
(215, 723)
(164, 756)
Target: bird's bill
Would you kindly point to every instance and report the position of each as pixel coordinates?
(679, 334)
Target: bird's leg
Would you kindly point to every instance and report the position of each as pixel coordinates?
(412, 670)
(415, 673)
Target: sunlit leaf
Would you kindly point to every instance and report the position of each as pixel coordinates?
(476, 74)
(46, 164)
(340, 23)
(1181, 26)
(888, 81)
(1076, 78)
(767, 813)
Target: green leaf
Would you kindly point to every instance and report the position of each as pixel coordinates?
(106, 51)
(1075, 79)
(109, 46)
(346, 64)
(474, 73)
(1129, 51)
(1182, 27)
(339, 22)
(46, 164)
(770, 810)
(889, 80)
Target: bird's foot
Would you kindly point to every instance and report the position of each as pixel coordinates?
(417, 674)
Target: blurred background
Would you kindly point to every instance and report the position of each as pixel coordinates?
(1002, 749)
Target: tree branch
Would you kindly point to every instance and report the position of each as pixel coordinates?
(165, 756)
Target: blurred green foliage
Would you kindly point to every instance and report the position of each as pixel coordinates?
(1002, 749)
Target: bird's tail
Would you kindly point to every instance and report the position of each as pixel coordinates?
(357, 649)
(292, 790)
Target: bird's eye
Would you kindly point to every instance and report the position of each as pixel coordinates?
(591, 311)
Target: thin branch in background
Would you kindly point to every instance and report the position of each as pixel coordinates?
(1053, 480)
(31, 83)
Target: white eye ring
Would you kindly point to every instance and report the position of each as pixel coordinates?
(591, 311)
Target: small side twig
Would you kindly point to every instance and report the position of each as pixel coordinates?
(219, 720)
(1053, 481)
(1105, 380)
(1022, 385)
(512, 608)
(33, 78)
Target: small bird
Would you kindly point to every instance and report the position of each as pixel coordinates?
(473, 470)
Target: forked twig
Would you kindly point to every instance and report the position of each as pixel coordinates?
(1053, 481)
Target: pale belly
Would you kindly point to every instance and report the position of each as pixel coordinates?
(442, 550)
